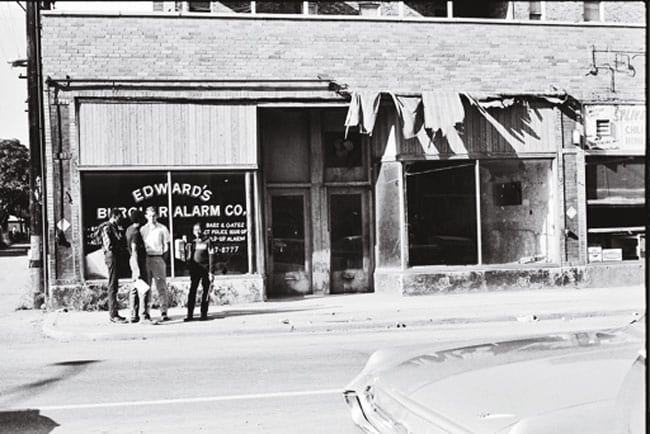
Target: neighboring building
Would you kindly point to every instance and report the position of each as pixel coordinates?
(332, 147)
(17, 226)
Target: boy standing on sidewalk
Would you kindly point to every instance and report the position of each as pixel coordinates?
(198, 257)
(113, 247)
(156, 242)
(138, 300)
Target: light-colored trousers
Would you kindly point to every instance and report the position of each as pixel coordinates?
(139, 302)
(156, 270)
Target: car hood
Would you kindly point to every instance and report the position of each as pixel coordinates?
(489, 387)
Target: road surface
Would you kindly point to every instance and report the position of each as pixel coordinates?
(218, 384)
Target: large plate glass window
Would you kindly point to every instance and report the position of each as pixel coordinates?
(218, 203)
(481, 212)
(441, 201)
(102, 191)
(517, 218)
(216, 200)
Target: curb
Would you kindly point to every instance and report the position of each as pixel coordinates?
(49, 326)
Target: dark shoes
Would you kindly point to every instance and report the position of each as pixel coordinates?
(118, 319)
(134, 320)
(164, 318)
(188, 319)
(204, 318)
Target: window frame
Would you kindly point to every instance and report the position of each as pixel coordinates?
(553, 210)
(252, 220)
(542, 11)
(639, 231)
(601, 11)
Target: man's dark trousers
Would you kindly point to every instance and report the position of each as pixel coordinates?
(198, 273)
(111, 260)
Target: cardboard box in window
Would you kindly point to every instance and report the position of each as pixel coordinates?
(612, 255)
(595, 254)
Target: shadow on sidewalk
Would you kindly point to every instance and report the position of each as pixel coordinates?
(176, 319)
(26, 421)
(69, 369)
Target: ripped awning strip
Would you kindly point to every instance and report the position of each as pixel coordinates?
(434, 110)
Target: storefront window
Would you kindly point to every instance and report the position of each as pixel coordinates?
(102, 191)
(517, 224)
(616, 215)
(441, 201)
(510, 215)
(217, 201)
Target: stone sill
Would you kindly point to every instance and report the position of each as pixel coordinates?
(422, 269)
(303, 17)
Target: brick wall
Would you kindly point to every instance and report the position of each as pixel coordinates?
(362, 53)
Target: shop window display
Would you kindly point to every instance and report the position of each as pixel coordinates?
(616, 214)
(508, 212)
(125, 192)
(217, 201)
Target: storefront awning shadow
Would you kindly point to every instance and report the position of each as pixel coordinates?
(26, 421)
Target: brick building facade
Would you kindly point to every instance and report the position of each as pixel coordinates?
(242, 119)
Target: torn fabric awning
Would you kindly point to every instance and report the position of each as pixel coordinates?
(436, 110)
(363, 109)
(409, 109)
(442, 110)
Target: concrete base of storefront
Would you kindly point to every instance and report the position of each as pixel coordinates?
(423, 281)
(92, 295)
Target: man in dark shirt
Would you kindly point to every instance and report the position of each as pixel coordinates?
(198, 256)
(113, 247)
(139, 301)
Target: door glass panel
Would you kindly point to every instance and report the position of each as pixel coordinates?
(343, 152)
(288, 246)
(347, 244)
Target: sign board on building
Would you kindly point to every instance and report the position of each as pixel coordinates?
(615, 127)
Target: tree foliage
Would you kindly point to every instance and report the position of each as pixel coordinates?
(14, 180)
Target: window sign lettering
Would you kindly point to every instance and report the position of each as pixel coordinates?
(216, 201)
(223, 218)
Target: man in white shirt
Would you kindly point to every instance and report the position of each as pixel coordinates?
(156, 242)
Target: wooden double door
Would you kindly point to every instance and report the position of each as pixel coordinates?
(317, 197)
(320, 246)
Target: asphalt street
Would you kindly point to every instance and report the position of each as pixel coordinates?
(224, 384)
(216, 383)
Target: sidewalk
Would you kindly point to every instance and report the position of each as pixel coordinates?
(360, 312)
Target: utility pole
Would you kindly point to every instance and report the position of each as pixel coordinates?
(37, 262)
